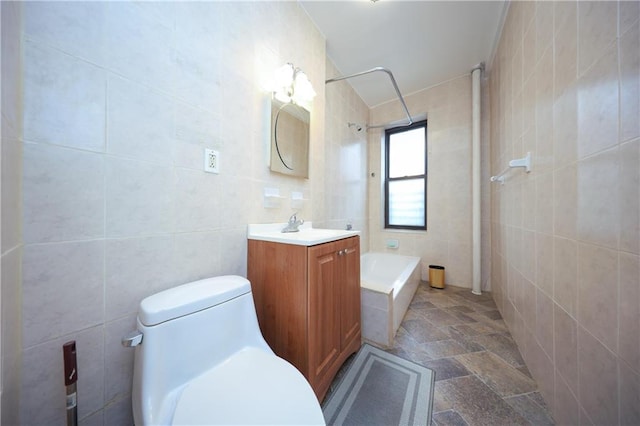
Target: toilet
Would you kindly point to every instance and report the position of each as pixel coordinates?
(200, 358)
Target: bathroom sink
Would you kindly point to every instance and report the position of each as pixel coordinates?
(307, 236)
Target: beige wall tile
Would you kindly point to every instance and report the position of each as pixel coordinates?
(78, 31)
(598, 292)
(459, 264)
(527, 144)
(597, 29)
(543, 158)
(565, 127)
(565, 407)
(11, 158)
(515, 289)
(630, 196)
(135, 115)
(529, 255)
(195, 129)
(77, 180)
(54, 275)
(629, 310)
(544, 322)
(565, 274)
(541, 367)
(529, 111)
(544, 27)
(565, 201)
(138, 198)
(583, 417)
(598, 199)
(124, 258)
(51, 112)
(598, 105)
(12, 63)
(565, 45)
(514, 192)
(629, 12)
(11, 130)
(529, 48)
(544, 203)
(11, 332)
(518, 110)
(527, 304)
(514, 247)
(629, 395)
(565, 336)
(630, 82)
(598, 379)
(517, 79)
(528, 203)
(544, 257)
(148, 57)
(118, 359)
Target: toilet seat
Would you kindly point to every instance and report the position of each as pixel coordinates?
(251, 387)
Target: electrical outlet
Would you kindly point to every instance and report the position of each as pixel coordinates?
(211, 161)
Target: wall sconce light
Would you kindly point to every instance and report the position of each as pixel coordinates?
(291, 85)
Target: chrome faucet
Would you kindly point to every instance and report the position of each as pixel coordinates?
(293, 224)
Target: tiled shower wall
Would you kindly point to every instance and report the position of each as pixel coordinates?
(566, 237)
(11, 246)
(447, 240)
(120, 100)
(347, 159)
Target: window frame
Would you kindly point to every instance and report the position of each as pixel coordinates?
(387, 136)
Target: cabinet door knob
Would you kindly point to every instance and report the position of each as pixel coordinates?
(341, 252)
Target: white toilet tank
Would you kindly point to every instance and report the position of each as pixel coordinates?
(186, 331)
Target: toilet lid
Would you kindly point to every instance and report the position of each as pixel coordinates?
(252, 387)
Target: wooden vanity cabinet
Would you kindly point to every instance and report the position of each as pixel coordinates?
(308, 303)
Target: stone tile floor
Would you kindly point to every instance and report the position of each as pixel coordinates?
(481, 378)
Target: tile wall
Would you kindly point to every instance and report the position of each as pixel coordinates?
(565, 85)
(447, 240)
(120, 100)
(11, 238)
(346, 175)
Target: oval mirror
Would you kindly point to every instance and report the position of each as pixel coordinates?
(289, 139)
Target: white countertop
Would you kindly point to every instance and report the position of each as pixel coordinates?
(307, 236)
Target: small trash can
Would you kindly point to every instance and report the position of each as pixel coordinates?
(436, 276)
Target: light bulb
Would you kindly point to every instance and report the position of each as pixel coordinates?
(283, 82)
(303, 90)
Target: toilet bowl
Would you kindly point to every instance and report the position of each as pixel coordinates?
(200, 358)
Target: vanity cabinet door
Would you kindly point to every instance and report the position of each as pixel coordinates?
(324, 311)
(349, 274)
(308, 304)
(278, 276)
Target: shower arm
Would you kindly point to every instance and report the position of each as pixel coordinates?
(395, 86)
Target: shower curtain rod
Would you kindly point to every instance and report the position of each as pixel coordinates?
(395, 86)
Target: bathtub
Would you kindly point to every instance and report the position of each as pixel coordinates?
(387, 285)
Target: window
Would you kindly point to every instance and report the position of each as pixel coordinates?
(405, 181)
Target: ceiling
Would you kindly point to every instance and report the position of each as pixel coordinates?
(422, 43)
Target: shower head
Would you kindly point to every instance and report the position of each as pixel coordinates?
(357, 127)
